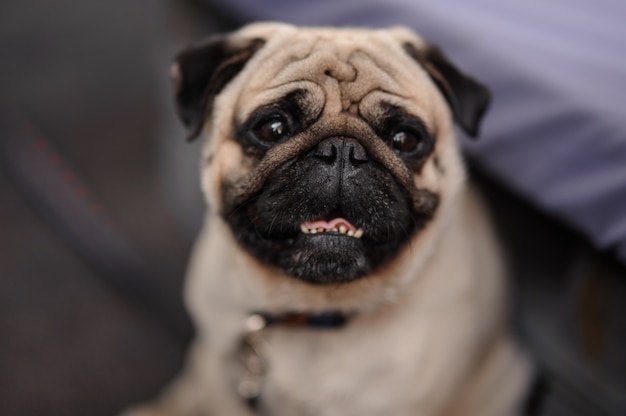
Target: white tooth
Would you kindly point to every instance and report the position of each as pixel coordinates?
(351, 233)
(320, 230)
(304, 229)
(334, 230)
(313, 231)
(359, 233)
(342, 229)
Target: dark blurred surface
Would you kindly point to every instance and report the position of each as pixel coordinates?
(92, 77)
(568, 308)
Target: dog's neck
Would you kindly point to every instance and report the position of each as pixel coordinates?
(251, 357)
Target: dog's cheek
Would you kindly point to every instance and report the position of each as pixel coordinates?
(431, 174)
(442, 172)
(447, 167)
(226, 167)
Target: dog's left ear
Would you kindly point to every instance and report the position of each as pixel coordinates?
(200, 72)
(467, 97)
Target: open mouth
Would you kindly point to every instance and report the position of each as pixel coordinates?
(325, 234)
(336, 225)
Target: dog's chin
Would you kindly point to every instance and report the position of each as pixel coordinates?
(326, 258)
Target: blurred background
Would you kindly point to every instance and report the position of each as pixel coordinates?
(92, 156)
(90, 79)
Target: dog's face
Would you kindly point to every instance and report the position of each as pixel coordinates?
(328, 151)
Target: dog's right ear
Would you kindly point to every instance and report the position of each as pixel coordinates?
(199, 73)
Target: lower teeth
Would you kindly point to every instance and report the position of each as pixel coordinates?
(341, 230)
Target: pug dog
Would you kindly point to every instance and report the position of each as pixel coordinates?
(345, 267)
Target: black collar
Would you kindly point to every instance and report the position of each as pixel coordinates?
(321, 320)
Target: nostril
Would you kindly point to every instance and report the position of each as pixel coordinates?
(327, 150)
(357, 153)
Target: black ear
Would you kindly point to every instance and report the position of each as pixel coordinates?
(200, 72)
(467, 97)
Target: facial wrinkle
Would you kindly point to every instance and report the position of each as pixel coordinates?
(371, 77)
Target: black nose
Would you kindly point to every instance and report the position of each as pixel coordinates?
(345, 152)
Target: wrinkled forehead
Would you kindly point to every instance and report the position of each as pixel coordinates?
(341, 70)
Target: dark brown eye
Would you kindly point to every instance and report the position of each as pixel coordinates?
(272, 130)
(405, 142)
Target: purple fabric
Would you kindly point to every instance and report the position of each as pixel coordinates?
(556, 132)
